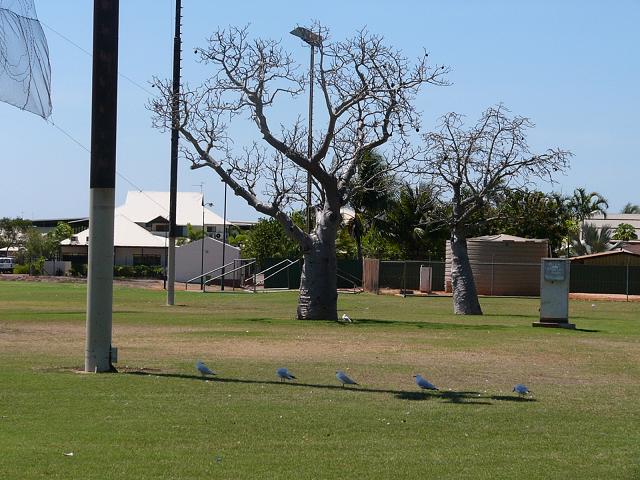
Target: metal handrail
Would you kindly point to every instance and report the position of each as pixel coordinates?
(351, 278)
(348, 280)
(230, 271)
(291, 262)
(262, 272)
(207, 273)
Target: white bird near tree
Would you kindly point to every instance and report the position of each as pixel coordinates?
(203, 369)
(521, 389)
(344, 378)
(423, 383)
(284, 374)
(346, 319)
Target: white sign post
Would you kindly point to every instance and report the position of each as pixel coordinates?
(554, 293)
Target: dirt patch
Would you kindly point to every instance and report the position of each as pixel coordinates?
(613, 297)
(149, 283)
(377, 357)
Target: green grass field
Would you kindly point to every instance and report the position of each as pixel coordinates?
(158, 419)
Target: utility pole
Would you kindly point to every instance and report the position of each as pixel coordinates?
(173, 184)
(313, 40)
(99, 355)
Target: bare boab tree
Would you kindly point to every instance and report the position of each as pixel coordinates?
(474, 165)
(367, 90)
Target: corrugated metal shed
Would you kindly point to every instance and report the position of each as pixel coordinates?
(503, 264)
(619, 256)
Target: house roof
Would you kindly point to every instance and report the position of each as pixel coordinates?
(126, 233)
(628, 245)
(617, 251)
(142, 207)
(506, 238)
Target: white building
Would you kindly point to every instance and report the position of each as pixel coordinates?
(192, 259)
(615, 219)
(151, 211)
(141, 227)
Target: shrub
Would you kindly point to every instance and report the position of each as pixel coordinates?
(78, 270)
(22, 269)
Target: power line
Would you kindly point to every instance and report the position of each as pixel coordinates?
(130, 80)
(80, 144)
(123, 177)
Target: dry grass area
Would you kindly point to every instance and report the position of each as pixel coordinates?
(159, 419)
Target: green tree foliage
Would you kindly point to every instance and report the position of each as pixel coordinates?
(40, 247)
(52, 240)
(407, 222)
(624, 231)
(594, 239)
(378, 245)
(534, 214)
(631, 208)
(193, 234)
(373, 188)
(582, 204)
(267, 239)
(12, 232)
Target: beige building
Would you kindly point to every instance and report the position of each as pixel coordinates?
(503, 264)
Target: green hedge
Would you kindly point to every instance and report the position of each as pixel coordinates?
(138, 271)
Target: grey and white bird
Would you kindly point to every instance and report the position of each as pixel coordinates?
(284, 374)
(203, 369)
(346, 319)
(344, 378)
(521, 389)
(423, 383)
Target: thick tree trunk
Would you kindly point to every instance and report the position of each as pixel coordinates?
(318, 298)
(465, 296)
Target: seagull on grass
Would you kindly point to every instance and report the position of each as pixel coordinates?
(521, 390)
(423, 383)
(284, 374)
(344, 378)
(203, 369)
(346, 319)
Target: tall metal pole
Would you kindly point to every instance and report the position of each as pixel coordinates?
(224, 234)
(104, 102)
(202, 249)
(310, 137)
(173, 183)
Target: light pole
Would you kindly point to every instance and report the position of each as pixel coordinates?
(313, 40)
(224, 233)
(204, 235)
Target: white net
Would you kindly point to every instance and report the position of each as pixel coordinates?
(25, 72)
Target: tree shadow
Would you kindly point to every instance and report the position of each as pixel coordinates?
(450, 396)
(431, 325)
(512, 398)
(463, 398)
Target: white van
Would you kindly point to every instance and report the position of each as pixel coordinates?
(6, 265)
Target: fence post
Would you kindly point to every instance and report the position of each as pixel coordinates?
(404, 279)
(493, 262)
(627, 282)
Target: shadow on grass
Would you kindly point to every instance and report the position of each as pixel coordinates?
(511, 398)
(431, 325)
(462, 398)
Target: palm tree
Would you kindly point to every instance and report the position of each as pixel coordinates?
(406, 221)
(593, 240)
(630, 208)
(583, 205)
(373, 189)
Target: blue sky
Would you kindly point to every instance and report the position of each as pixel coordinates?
(571, 66)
